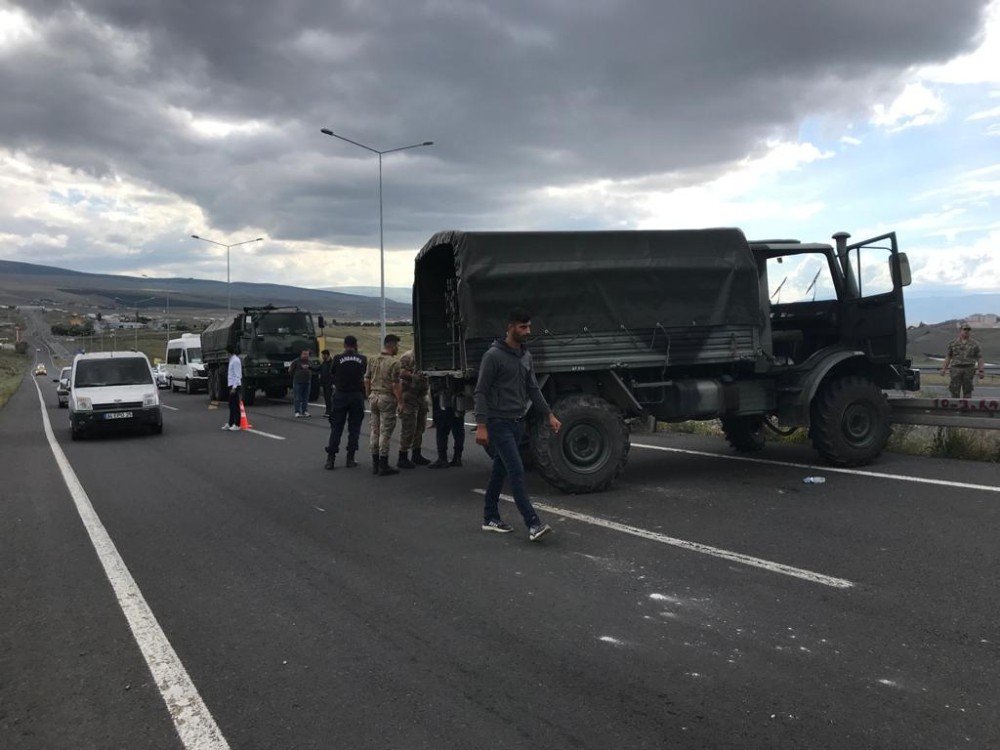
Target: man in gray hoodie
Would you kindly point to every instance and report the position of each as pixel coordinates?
(506, 384)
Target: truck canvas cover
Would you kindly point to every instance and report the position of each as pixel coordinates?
(588, 283)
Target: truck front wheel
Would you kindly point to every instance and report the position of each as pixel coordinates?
(850, 421)
(744, 433)
(590, 450)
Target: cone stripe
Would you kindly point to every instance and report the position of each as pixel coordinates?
(244, 422)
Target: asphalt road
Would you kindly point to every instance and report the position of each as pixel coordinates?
(315, 609)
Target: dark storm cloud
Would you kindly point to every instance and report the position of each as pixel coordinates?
(516, 95)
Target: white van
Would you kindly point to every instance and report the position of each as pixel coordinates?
(113, 388)
(183, 364)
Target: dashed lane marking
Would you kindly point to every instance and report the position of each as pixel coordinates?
(192, 719)
(264, 434)
(172, 408)
(737, 557)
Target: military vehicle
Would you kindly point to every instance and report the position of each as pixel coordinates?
(266, 339)
(636, 326)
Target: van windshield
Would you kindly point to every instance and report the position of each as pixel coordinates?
(194, 356)
(93, 373)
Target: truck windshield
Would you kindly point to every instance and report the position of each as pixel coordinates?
(803, 277)
(194, 356)
(298, 324)
(93, 373)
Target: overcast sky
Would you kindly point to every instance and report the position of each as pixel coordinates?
(126, 126)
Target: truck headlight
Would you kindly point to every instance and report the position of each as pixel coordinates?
(83, 403)
(149, 399)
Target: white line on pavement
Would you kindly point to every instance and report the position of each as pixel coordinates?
(756, 562)
(264, 434)
(191, 717)
(832, 469)
(172, 408)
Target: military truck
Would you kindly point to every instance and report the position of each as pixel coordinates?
(642, 326)
(266, 339)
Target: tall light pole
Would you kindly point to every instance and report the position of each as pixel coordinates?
(229, 296)
(166, 293)
(381, 241)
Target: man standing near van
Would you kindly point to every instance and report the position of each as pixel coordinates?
(234, 379)
(506, 384)
(348, 402)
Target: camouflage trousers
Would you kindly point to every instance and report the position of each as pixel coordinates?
(383, 422)
(413, 422)
(961, 381)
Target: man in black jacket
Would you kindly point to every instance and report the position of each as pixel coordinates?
(347, 372)
(506, 384)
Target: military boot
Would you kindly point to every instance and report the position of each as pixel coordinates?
(418, 459)
(351, 463)
(384, 470)
(441, 463)
(330, 458)
(404, 462)
(457, 460)
(375, 463)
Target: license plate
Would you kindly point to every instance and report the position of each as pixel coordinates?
(118, 415)
(288, 364)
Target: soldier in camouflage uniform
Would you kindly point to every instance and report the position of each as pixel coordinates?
(964, 357)
(382, 387)
(412, 413)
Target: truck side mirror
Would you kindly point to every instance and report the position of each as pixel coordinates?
(904, 270)
(320, 322)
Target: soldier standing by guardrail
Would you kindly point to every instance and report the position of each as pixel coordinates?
(382, 386)
(964, 357)
(412, 411)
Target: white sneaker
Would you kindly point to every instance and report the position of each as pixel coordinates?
(230, 427)
(297, 415)
(306, 414)
(226, 427)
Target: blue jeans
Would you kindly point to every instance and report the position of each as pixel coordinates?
(300, 395)
(505, 438)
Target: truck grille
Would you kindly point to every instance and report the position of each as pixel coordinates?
(119, 406)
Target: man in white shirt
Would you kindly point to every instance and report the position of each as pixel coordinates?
(235, 381)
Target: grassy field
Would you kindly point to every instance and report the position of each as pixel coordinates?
(154, 343)
(12, 369)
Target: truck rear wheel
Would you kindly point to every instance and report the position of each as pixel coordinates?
(590, 450)
(745, 433)
(850, 421)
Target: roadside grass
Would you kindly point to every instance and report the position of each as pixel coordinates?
(13, 366)
(913, 440)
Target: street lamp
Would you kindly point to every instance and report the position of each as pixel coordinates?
(381, 242)
(166, 293)
(229, 296)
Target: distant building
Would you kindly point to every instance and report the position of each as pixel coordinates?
(984, 320)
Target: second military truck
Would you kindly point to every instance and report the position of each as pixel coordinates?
(266, 339)
(673, 325)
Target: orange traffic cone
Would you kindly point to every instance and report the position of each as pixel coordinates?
(244, 422)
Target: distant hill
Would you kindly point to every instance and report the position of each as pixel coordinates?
(29, 283)
(929, 307)
(398, 293)
(927, 341)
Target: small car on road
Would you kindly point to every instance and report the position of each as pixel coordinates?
(62, 386)
(110, 389)
(160, 371)
(40, 370)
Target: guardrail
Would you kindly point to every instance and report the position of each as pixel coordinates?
(982, 413)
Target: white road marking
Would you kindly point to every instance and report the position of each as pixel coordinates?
(756, 562)
(191, 717)
(172, 408)
(831, 469)
(264, 434)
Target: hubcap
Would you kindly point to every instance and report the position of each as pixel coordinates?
(858, 424)
(585, 447)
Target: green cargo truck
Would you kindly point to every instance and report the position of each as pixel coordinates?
(636, 326)
(266, 339)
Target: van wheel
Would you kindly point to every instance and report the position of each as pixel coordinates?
(591, 449)
(850, 421)
(173, 388)
(75, 433)
(188, 388)
(744, 433)
(158, 429)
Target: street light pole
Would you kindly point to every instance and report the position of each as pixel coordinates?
(229, 295)
(381, 234)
